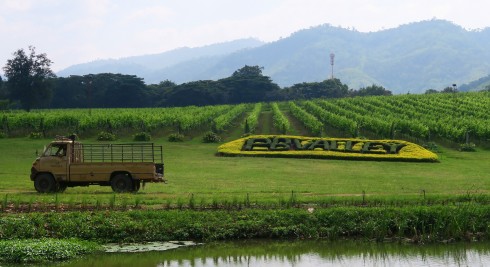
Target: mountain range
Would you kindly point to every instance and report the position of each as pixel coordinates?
(411, 58)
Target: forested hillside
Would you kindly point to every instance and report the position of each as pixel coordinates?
(411, 58)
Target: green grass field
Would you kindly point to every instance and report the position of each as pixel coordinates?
(196, 175)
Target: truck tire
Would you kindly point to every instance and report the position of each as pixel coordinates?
(45, 183)
(121, 183)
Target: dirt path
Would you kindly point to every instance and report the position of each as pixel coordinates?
(265, 123)
(297, 127)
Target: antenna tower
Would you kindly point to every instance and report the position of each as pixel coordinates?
(332, 58)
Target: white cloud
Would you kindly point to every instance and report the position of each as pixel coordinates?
(16, 5)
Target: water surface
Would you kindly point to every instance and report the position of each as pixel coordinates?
(300, 253)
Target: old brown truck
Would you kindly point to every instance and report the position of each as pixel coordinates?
(66, 162)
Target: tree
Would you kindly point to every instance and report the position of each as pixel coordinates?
(431, 91)
(450, 89)
(104, 90)
(248, 85)
(248, 72)
(331, 88)
(4, 103)
(372, 90)
(2, 91)
(28, 78)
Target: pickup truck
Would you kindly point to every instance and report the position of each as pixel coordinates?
(66, 162)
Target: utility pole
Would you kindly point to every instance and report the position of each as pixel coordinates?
(332, 57)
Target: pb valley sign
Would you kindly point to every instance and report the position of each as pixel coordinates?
(336, 148)
(338, 145)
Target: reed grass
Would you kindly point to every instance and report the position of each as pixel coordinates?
(467, 222)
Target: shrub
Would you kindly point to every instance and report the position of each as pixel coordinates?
(106, 136)
(142, 136)
(3, 135)
(431, 146)
(176, 137)
(36, 135)
(211, 137)
(469, 147)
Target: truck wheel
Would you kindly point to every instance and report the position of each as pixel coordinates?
(45, 183)
(121, 183)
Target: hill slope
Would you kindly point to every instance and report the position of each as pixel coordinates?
(411, 58)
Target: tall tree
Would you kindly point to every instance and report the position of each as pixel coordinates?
(248, 85)
(372, 90)
(28, 78)
(331, 88)
(104, 90)
(2, 92)
(3, 96)
(450, 89)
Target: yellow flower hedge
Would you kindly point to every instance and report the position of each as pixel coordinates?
(327, 148)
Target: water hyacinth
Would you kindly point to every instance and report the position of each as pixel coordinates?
(44, 250)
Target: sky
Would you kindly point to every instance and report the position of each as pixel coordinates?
(78, 31)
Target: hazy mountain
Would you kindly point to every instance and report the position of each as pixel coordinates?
(144, 65)
(480, 84)
(411, 58)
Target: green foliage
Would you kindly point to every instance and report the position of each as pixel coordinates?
(431, 91)
(244, 86)
(143, 136)
(279, 120)
(3, 135)
(309, 121)
(176, 137)
(252, 121)
(225, 120)
(246, 127)
(467, 147)
(29, 78)
(105, 90)
(432, 146)
(424, 117)
(371, 91)
(450, 90)
(35, 135)
(248, 84)
(331, 88)
(211, 137)
(431, 223)
(44, 250)
(106, 136)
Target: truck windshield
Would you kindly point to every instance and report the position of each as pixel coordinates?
(58, 150)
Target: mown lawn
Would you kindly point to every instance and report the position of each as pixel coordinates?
(196, 175)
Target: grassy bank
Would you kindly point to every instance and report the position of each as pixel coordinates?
(417, 224)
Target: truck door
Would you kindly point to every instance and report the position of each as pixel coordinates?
(55, 161)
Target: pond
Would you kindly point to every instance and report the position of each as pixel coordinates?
(299, 253)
